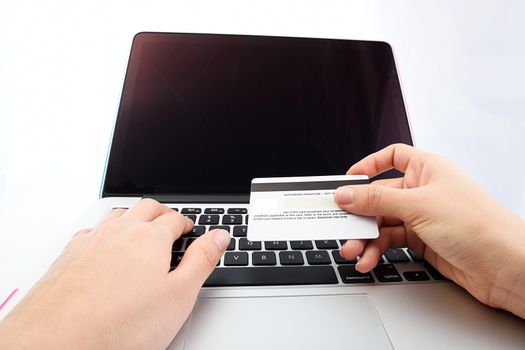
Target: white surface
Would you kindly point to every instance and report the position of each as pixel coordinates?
(62, 64)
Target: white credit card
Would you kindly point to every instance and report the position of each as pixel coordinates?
(303, 208)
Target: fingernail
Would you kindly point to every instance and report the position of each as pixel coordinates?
(221, 238)
(343, 195)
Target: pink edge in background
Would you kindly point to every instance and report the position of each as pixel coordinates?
(4, 303)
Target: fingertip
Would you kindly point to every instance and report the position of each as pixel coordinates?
(359, 267)
(82, 232)
(152, 203)
(221, 238)
(352, 248)
(364, 266)
(343, 195)
(351, 171)
(189, 224)
(201, 258)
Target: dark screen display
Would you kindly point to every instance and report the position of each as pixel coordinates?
(204, 114)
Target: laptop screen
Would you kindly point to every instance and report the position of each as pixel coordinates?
(206, 113)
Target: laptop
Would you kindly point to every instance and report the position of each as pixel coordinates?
(202, 114)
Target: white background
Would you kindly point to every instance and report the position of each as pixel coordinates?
(62, 65)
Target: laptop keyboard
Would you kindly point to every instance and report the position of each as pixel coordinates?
(247, 263)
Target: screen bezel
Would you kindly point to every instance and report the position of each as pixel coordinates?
(127, 88)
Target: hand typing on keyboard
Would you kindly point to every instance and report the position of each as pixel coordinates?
(441, 214)
(111, 287)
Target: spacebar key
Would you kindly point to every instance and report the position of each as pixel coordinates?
(265, 276)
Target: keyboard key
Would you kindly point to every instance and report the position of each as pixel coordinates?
(190, 211)
(350, 275)
(340, 260)
(416, 276)
(235, 259)
(291, 258)
(387, 273)
(209, 219)
(214, 211)
(222, 227)
(342, 242)
(301, 245)
(237, 211)
(317, 257)
(197, 231)
(326, 244)
(267, 276)
(232, 219)
(246, 220)
(397, 255)
(381, 260)
(192, 217)
(240, 231)
(231, 245)
(176, 209)
(263, 258)
(177, 245)
(188, 242)
(434, 273)
(275, 245)
(176, 258)
(245, 244)
(414, 256)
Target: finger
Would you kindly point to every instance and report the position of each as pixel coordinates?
(352, 248)
(145, 210)
(82, 233)
(397, 236)
(388, 221)
(112, 215)
(390, 237)
(396, 156)
(372, 253)
(201, 258)
(394, 183)
(173, 224)
(373, 200)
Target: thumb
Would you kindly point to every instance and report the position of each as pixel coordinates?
(201, 257)
(375, 200)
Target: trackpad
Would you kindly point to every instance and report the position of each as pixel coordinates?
(287, 322)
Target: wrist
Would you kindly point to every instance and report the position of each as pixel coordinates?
(508, 283)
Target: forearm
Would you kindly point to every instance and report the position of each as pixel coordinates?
(44, 319)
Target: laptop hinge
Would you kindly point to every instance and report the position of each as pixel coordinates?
(199, 198)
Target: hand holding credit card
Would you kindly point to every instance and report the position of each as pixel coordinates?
(303, 208)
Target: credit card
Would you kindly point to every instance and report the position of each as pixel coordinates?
(303, 208)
